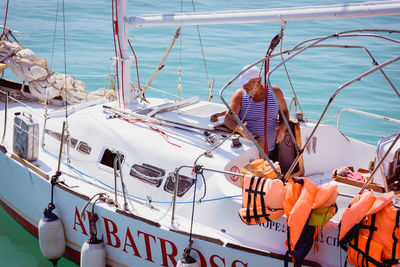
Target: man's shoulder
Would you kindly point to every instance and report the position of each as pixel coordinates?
(277, 90)
(238, 93)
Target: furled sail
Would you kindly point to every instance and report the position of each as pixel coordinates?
(44, 84)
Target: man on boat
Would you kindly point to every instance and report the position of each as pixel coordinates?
(251, 103)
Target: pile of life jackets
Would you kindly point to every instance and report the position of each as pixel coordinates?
(369, 230)
(306, 206)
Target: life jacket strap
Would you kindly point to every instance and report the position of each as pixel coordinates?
(395, 240)
(370, 259)
(248, 190)
(262, 193)
(256, 193)
(371, 232)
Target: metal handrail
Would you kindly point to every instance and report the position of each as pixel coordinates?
(177, 183)
(118, 167)
(315, 42)
(379, 164)
(5, 115)
(365, 114)
(329, 103)
(297, 50)
(202, 168)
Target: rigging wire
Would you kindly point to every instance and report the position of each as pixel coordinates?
(54, 34)
(5, 30)
(136, 61)
(68, 136)
(210, 84)
(46, 107)
(297, 103)
(180, 63)
(272, 46)
(115, 47)
(117, 41)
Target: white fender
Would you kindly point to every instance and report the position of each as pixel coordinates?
(51, 237)
(93, 254)
(183, 263)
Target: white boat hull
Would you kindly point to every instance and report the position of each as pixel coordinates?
(130, 240)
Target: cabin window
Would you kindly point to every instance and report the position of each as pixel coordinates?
(108, 158)
(183, 186)
(84, 148)
(148, 174)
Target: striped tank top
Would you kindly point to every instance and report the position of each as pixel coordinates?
(255, 117)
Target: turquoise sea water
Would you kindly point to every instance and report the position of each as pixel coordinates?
(227, 48)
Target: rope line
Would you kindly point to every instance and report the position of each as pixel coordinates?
(115, 27)
(203, 55)
(5, 30)
(136, 61)
(180, 62)
(162, 133)
(297, 103)
(54, 35)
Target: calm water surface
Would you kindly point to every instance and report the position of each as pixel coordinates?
(227, 48)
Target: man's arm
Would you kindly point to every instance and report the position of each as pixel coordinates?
(235, 104)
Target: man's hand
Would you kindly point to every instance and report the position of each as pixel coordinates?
(241, 131)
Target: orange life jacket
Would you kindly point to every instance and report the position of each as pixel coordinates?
(306, 207)
(262, 200)
(299, 195)
(369, 230)
(261, 168)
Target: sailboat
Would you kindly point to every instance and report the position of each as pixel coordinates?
(147, 181)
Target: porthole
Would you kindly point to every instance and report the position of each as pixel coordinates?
(148, 173)
(183, 186)
(84, 148)
(108, 158)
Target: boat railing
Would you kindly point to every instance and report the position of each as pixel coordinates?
(196, 169)
(358, 78)
(118, 173)
(7, 98)
(298, 49)
(365, 114)
(7, 95)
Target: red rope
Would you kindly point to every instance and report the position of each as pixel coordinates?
(120, 54)
(266, 69)
(5, 22)
(274, 42)
(115, 32)
(162, 133)
(136, 61)
(114, 26)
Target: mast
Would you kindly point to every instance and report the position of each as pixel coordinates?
(126, 94)
(366, 9)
